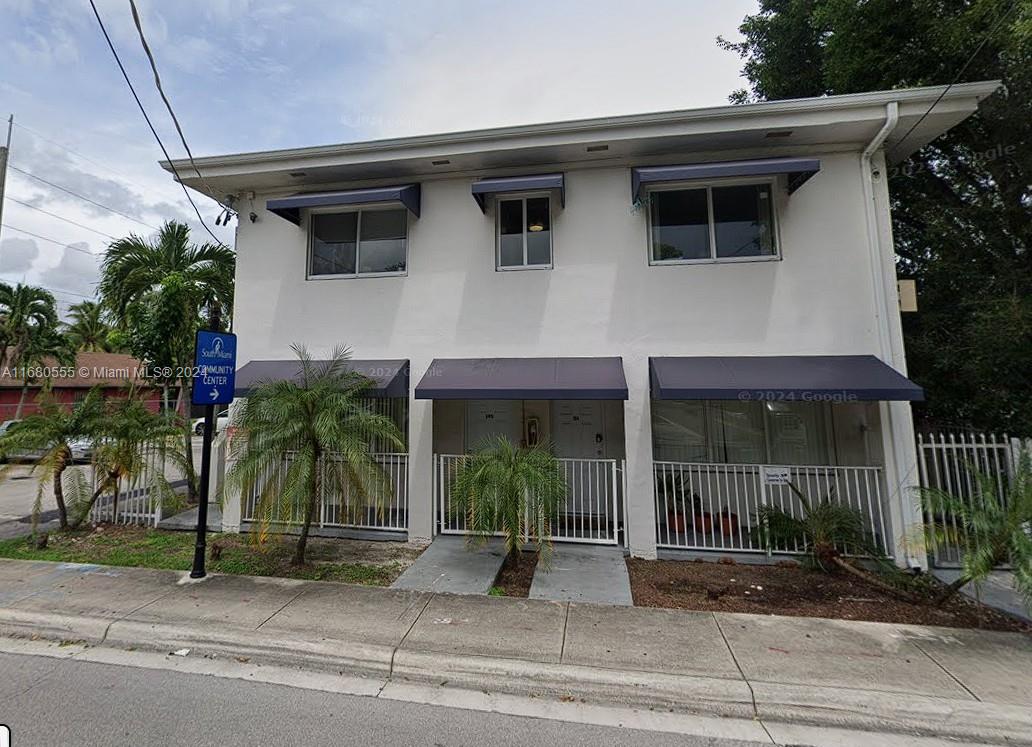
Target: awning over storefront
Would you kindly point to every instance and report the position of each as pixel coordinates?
(797, 169)
(390, 377)
(802, 378)
(523, 378)
(486, 187)
(406, 195)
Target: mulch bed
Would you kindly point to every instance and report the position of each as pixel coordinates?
(514, 579)
(789, 589)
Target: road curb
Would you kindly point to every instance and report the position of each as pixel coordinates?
(899, 713)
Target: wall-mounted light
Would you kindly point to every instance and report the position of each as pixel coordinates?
(596, 148)
(441, 162)
(536, 227)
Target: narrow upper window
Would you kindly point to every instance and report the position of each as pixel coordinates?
(524, 233)
(364, 242)
(711, 223)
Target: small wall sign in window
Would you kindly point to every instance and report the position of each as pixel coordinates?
(358, 243)
(712, 223)
(524, 233)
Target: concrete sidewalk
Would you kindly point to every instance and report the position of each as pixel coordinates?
(946, 683)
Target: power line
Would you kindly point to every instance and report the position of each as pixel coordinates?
(45, 238)
(960, 73)
(61, 217)
(82, 197)
(161, 92)
(146, 118)
(76, 153)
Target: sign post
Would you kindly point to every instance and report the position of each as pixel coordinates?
(214, 379)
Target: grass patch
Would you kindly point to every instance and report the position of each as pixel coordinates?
(155, 548)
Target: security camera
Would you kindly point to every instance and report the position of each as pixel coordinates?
(253, 216)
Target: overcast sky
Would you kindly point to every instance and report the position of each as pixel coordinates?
(247, 75)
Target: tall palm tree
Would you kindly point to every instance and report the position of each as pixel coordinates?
(44, 348)
(518, 491)
(50, 433)
(25, 311)
(88, 329)
(312, 437)
(159, 290)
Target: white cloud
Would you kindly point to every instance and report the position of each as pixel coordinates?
(17, 255)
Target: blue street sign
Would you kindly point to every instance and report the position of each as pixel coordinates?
(215, 364)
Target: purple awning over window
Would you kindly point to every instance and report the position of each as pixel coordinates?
(801, 378)
(290, 208)
(523, 378)
(501, 185)
(390, 377)
(797, 169)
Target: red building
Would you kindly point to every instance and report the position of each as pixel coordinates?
(111, 371)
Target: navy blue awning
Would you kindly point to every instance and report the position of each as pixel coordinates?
(290, 207)
(390, 377)
(523, 378)
(797, 169)
(486, 187)
(800, 378)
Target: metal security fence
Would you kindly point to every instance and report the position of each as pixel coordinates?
(593, 511)
(948, 461)
(385, 509)
(709, 506)
(140, 501)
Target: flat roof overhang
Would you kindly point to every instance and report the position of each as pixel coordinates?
(523, 378)
(798, 378)
(390, 378)
(801, 126)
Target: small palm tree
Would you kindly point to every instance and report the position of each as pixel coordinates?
(125, 433)
(989, 529)
(25, 312)
(50, 432)
(518, 491)
(310, 437)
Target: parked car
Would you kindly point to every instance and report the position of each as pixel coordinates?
(82, 448)
(221, 421)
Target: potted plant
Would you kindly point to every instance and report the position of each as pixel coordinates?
(703, 519)
(728, 522)
(673, 487)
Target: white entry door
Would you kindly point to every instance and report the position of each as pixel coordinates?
(486, 419)
(579, 441)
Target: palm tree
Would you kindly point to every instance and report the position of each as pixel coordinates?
(158, 290)
(823, 532)
(50, 432)
(126, 430)
(518, 491)
(25, 311)
(43, 348)
(992, 527)
(88, 329)
(310, 438)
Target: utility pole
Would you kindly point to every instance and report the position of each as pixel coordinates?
(3, 164)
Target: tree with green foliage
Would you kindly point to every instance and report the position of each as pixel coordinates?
(160, 292)
(88, 329)
(26, 312)
(962, 205)
(124, 434)
(45, 347)
(518, 491)
(312, 436)
(990, 528)
(49, 434)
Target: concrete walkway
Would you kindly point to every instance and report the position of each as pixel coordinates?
(946, 683)
(449, 566)
(187, 520)
(998, 591)
(584, 573)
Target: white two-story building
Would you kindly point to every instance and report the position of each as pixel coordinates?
(694, 308)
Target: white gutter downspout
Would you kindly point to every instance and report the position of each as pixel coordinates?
(885, 313)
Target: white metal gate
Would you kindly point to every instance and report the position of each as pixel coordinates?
(947, 462)
(593, 511)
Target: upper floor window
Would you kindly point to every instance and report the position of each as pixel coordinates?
(711, 223)
(356, 243)
(524, 233)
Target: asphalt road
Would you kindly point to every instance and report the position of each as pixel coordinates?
(49, 701)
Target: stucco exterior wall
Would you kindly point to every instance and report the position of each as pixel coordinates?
(602, 298)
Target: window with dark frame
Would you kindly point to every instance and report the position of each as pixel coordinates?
(711, 223)
(356, 243)
(524, 233)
